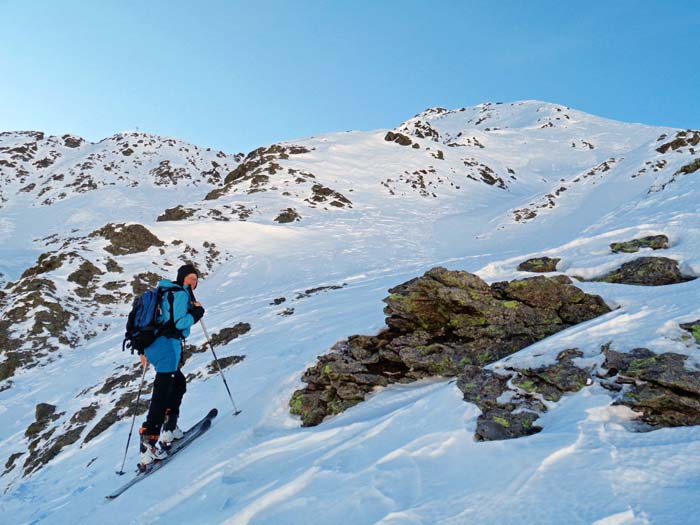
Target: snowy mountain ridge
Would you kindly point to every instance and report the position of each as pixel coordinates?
(299, 243)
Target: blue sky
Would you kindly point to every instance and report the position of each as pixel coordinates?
(237, 75)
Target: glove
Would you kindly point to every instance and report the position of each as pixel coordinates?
(197, 313)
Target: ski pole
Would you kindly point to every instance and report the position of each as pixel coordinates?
(216, 359)
(133, 420)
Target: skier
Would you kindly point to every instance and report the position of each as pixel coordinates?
(178, 311)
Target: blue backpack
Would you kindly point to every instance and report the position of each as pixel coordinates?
(142, 327)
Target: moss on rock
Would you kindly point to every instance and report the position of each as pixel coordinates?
(539, 265)
(647, 271)
(441, 324)
(655, 242)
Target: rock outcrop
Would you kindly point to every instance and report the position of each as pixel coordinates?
(647, 271)
(657, 386)
(438, 325)
(512, 399)
(655, 242)
(127, 239)
(539, 265)
(693, 328)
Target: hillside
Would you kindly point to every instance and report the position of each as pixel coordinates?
(299, 243)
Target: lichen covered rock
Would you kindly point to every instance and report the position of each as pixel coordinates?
(693, 328)
(647, 271)
(657, 386)
(539, 265)
(437, 325)
(528, 390)
(655, 242)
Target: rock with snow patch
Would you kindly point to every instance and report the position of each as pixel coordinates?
(655, 242)
(178, 213)
(127, 239)
(437, 325)
(647, 271)
(539, 265)
(514, 415)
(658, 386)
(288, 215)
(693, 328)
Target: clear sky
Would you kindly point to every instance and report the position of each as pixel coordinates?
(236, 75)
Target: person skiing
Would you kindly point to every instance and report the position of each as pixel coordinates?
(178, 312)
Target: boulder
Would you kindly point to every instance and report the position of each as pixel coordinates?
(655, 242)
(127, 239)
(539, 265)
(288, 215)
(657, 386)
(178, 213)
(399, 138)
(647, 271)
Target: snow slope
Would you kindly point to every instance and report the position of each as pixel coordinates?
(406, 455)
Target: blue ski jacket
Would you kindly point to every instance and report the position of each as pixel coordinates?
(165, 351)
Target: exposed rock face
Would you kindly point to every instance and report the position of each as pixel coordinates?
(689, 168)
(256, 168)
(57, 303)
(178, 213)
(84, 276)
(647, 271)
(45, 413)
(693, 328)
(399, 138)
(47, 262)
(321, 194)
(288, 215)
(539, 265)
(655, 242)
(144, 281)
(224, 362)
(34, 299)
(657, 385)
(439, 324)
(226, 335)
(221, 338)
(527, 389)
(682, 139)
(127, 239)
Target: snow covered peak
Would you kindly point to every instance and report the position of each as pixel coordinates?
(448, 126)
(49, 168)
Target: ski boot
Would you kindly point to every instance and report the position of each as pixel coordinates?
(168, 436)
(150, 450)
(171, 432)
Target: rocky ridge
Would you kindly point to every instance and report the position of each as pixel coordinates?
(49, 169)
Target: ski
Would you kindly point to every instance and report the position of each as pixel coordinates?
(189, 436)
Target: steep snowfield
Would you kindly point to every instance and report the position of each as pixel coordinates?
(406, 456)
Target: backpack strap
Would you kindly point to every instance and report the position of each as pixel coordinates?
(169, 328)
(171, 302)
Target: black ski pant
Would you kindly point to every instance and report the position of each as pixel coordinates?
(168, 389)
